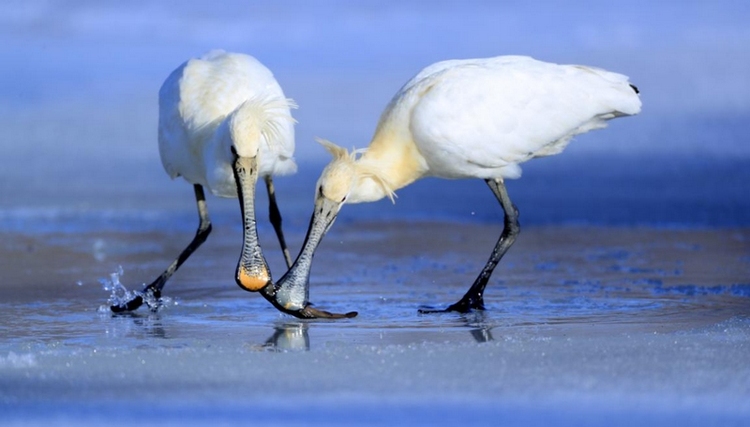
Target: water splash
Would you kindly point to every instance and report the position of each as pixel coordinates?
(120, 295)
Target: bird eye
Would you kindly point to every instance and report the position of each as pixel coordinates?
(320, 191)
(343, 200)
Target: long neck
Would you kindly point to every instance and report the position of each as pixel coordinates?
(391, 157)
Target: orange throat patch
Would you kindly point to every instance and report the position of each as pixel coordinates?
(253, 281)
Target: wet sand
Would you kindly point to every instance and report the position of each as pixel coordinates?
(642, 324)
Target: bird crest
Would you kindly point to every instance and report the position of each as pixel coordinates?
(261, 117)
(338, 152)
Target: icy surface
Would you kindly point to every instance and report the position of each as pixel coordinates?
(585, 326)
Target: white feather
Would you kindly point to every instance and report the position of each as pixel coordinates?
(220, 101)
(482, 118)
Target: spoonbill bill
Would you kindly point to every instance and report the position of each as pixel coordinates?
(475, 118)
(223, 122)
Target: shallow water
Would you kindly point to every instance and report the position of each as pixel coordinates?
(643, 323)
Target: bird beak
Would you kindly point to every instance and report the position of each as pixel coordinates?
(291, 293)
(252, 270)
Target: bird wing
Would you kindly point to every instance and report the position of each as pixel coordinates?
(173, 132)
(200, 93)
(215, 85)
(495, 113)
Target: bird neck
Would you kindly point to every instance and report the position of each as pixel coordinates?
(369, 188)
(392, 161)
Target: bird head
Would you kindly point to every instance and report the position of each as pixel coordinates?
(340, 176)
(259, 120)
(350, 178)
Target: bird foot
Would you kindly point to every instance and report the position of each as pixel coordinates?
(464, 305)
(151, 297)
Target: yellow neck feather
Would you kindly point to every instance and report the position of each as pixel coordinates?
(394, 157)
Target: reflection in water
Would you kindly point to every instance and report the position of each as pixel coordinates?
(289, 337)
(134, 324)
(478, 325)
(152, 325)
(294, 336)
(482, 335)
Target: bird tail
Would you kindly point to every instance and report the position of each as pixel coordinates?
(620, 95)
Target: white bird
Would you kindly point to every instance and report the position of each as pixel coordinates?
(475, 118)
(223, 122)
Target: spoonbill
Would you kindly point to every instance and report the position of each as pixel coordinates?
(223, 122)
(475, 118)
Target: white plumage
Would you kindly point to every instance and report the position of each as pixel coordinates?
(480, 118)
(475, 118)
(223, 123)
(219, 101)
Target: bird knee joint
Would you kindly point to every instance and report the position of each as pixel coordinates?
(513, 226)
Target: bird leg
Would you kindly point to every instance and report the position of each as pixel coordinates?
(275, 216)
(152, 292)
(474, 297)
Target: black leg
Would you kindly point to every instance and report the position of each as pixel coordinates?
(154, 289)
(474, 297)
(275, 216)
